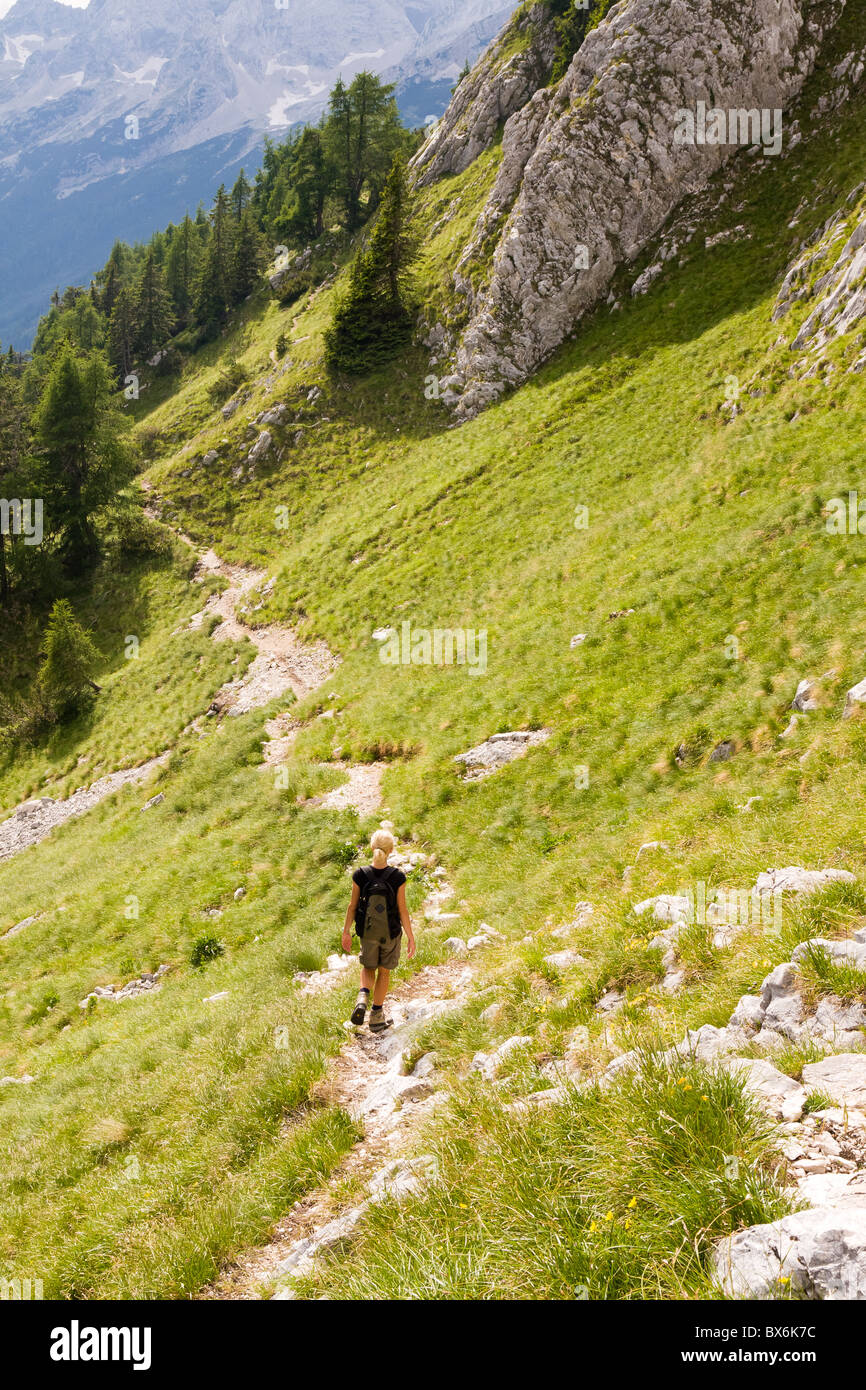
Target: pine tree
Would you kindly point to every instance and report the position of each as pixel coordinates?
(182, 268)
(69, 660)
(82, 458)
(122, 333)
(248, 259)
(154, 312)
(363, 133)
(241, 194)
(14, 444)
(311, 178)
(214, 289)
(110, 289)
(375, 318)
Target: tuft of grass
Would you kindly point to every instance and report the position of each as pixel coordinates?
(824, 975)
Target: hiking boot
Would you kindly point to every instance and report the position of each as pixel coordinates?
(378, 1021)
(359, 1012)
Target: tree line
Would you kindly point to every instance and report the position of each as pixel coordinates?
(64, 436)
(184, 282)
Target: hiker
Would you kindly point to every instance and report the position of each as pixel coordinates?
(378, 909)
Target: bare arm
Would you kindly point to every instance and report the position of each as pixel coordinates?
(405, 919)
(350, 917)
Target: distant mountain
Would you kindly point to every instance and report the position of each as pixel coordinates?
(116, 118)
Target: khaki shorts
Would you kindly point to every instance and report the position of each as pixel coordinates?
(379, 948)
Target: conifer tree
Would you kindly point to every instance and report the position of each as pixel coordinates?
(154, 313)
(214, 289)
(363, 133)
(110, 289)
(241, 195)
(248, 259)
(82, 458)
(69, 660)
(122, 332)
(375, 317)
(181, 269)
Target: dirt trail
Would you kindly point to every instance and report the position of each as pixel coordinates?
(370, 1080)
(33, 820)
(283, 663)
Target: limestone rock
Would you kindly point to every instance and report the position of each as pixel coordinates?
(797, 880)
(563, 960)
(497, 87)
(261, 447)
(605, 171)
(856, 696)
(842, 1077)
(777, 1093)
(666, 907)
(489, 1063)
(821, 1251)
(496, 751)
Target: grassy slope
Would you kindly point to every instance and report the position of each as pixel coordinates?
(705, 529)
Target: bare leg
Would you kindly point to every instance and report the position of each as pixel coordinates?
(368, 978)
(383, 980)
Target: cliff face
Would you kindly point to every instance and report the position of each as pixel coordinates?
(656, 99)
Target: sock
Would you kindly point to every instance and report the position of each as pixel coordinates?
(377, 1008)
(361, 991)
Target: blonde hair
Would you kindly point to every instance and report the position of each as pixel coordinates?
(382, 843)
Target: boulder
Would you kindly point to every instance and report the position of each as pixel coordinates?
(775, 1092)
(489, 1063)
(842, 1077)
(665, 907)
(804, 698)
(856, 696)
(845, 952)
(821, 1252)
(749, 1012)
(797, 880)
(260, 448)
(563, 960)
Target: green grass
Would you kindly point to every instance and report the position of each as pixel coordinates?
(707, 530)
(583, 1200)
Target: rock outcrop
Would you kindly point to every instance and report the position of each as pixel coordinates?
(829, 277)
(501, 82)
(596, 164)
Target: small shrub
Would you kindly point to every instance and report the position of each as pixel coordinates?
(205, 949)
(135, 533)
(69, 660)
(292, 288)
(231, 376)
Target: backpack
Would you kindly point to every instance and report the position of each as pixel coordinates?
(378, 899)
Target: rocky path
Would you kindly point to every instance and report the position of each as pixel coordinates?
(371, 1080)
(33, 820)
(283, 664)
